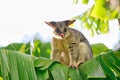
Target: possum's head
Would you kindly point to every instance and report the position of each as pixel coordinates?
(60, 28)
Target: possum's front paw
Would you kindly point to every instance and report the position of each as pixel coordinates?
(73, 66)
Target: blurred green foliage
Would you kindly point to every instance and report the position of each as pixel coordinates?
(38, 48)
(35, 48)
(41, 48)
(96, 18)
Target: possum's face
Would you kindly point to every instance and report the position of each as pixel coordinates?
(60, 28)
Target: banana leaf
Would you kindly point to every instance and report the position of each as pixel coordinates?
(17, 66)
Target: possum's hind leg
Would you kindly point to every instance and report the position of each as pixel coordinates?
(84, 54)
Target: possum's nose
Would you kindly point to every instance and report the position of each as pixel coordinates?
(62, 35)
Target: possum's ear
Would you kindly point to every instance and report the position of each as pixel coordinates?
(69, 22)
(52, 23)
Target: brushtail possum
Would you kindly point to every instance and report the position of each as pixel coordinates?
(69, 46)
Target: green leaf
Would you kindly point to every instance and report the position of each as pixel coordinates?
(18, 66)
(107, 70)
(59, 71)
(43, 63)
(41, 49)
(36, 49)
(42, 74)
(21, 47)
(1, 78)
(102, 12)
(74, 74)
(13, 65)
(45, 50)
(4, 65)
(14, 46)
(114, 63)
(92, 69)
(117, 53)
(85, 1)
(94, 25)
(99, 48)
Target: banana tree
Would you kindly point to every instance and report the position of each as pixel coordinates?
(16, 65)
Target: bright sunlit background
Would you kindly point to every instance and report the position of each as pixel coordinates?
(20, 20)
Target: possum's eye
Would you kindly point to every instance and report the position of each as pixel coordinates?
(65, 30)
(57, 30)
